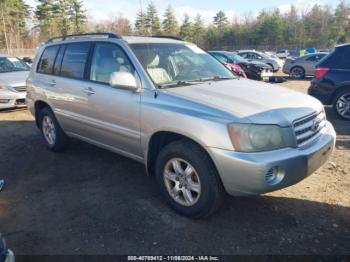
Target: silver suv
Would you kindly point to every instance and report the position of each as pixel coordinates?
(199, 130)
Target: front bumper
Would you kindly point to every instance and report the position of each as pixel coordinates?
(10, 256)
(10, 99)
(246, 173)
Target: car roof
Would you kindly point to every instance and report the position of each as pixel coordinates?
(128, 39)
(153, 40)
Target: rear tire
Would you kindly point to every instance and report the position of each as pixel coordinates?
(297, 72)
(55, 139)
(174, 180)
(341, 104)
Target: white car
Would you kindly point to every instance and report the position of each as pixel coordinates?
(282, 54)
(13, 75)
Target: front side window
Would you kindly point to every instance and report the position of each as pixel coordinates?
(12, 64)
(107, 59)
(47, 60)
(168, 64)
(74, 60)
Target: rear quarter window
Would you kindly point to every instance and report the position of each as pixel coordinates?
(47, 60)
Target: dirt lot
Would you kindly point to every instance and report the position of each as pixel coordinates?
(90, 201)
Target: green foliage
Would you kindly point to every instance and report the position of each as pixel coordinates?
(319, 26)
(152, 20)
(13, 16)
(60, 17)
(170, 24)
(140, 23)
(186, 29)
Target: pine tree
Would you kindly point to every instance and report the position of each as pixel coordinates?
(140, 24)
(186, 29)
(170, 24)
(152, 20)
(198, 30)
(77, 16)
(220, 20)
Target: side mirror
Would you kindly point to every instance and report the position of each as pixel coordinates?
(123, 80)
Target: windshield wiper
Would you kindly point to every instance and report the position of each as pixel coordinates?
(214, 78)
(179, 83)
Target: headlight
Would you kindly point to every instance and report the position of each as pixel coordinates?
(255, 138)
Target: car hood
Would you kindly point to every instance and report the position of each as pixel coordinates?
(251, 101)
(14, 78)
(259, 64)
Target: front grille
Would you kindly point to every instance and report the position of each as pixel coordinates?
(20, 88)
(308, 128)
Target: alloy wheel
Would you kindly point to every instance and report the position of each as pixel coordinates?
(343, 105)
(49, 130)
(182, 182)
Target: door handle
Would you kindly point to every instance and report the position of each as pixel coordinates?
(89, 91)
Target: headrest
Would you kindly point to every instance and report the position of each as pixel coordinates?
(154, 62)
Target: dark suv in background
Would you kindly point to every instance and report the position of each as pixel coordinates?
(331, 82)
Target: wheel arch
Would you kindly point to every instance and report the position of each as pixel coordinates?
(160, 139)
(38, 106)
(337, 91)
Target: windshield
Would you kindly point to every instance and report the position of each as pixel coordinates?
(179, 64)
(12, 64)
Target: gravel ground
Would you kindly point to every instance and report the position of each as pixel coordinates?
(90, 201)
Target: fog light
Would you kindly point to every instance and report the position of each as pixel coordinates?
(274, 176)
(4, 101)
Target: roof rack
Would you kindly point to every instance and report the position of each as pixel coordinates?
(65, 37)
(168, 36)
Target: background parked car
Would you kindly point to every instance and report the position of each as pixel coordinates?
(331, 82)
(253, 55)
(255, 70)
(13, 75)
(229, 63)
(283, 54)
(303, 66)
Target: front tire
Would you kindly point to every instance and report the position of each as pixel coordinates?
(54, 137)
(188, 180)
(341, 104)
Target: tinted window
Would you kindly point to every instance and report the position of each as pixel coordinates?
(47, 60)
(12, 64)
(58, 62)
(312, 58)
(74, 60)
(339, 59)
(346, 59)
(107, 59)
(221, 58)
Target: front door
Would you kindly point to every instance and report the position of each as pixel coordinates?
(113, 113)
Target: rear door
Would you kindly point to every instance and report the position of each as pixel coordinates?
(70, 98)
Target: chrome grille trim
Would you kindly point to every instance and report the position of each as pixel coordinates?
(20, 88)
(309, 128)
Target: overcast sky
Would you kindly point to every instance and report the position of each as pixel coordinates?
(102, 9)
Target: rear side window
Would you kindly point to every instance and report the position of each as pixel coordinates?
(74, 60)
(47, 60)
(346, 59)
(339, 59)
